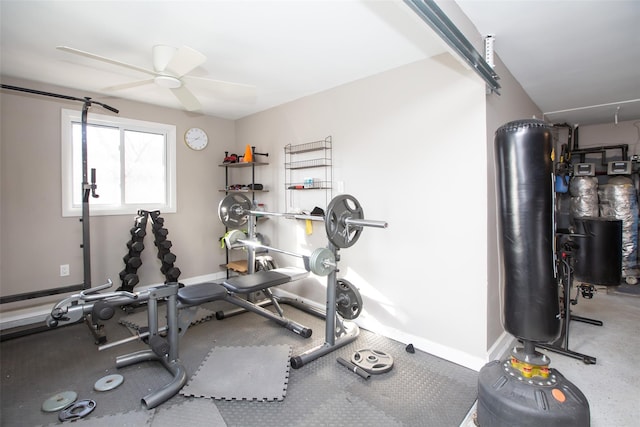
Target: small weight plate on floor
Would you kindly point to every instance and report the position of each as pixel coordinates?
(109, 382)
(78, 410)
(59, 401)
(373, 361)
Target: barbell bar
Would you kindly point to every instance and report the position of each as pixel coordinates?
(321, 261)
(343, 221)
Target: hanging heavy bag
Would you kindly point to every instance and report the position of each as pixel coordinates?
(525, 194)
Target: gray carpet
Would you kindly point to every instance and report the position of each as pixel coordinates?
(420, 390)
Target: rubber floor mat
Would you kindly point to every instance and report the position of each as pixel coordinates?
(127, 419)
(192, 413)
(139, 319)
(242, 373)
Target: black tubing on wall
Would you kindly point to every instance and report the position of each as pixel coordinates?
(525, 195)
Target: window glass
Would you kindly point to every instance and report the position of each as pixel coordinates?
(104, 156)
(144, 167)
(134, 162)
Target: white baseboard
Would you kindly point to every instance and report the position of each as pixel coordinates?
(501, 347)
(38, 314)
(453, 355)
(24, 317)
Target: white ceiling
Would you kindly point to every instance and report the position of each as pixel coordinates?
(566, 54)
(286, 49)
(569, 54)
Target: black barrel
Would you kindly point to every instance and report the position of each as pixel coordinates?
(525, 195)
(599, 256)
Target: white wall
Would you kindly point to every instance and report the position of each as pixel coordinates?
(410, 145)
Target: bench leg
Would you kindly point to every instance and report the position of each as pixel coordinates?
(295, 327)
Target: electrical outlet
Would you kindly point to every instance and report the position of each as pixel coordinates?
(64, 270)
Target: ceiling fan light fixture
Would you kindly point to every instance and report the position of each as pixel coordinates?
(168, 82)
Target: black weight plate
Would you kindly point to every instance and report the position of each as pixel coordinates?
(348, 300)
(341, 208)
(232, 210)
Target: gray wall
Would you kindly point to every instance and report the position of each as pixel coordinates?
(36, 239)
(626, 132)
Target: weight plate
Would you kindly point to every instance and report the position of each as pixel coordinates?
(348, 300)
(373, 361)
(322, 262)
(109, 382)
(59, 401)
(340, 209)
(232, 237)
(232, 210)
(78, 410)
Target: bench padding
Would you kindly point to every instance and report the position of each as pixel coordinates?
(201, 293)
(255, 282)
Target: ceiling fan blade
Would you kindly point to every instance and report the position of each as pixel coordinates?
(232, 91)
(185, 60)
(186, 98)
(162, 55)
(128, 85)
(103, 59)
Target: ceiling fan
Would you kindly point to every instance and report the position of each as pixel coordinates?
(171, 68)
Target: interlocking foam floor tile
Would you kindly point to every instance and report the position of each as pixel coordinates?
(127, 419)
(242, 373)
(192, 413)
(139, 319)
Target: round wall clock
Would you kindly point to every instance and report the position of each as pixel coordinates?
(196, 139)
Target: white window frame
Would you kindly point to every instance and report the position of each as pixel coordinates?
(68, 118)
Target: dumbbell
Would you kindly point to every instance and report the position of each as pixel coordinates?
(130, 280)
(164, 245)
(135, 245)
(155, 215)
(166, 257)
(159, 221)
(138, 232)
(160, 234)
(140, 221)
(132, 261)
(172, 274)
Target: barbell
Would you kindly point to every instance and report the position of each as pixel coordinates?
(343, 221)
(321, 261)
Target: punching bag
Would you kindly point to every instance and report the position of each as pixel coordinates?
(525, 194)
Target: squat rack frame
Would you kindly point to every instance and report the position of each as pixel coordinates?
(88, 189)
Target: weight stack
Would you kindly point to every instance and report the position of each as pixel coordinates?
(508, 396)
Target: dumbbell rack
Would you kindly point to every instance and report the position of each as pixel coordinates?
(135, 246)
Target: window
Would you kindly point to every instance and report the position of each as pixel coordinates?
(134, 161)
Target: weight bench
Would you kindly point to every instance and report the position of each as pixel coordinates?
(165, 350)
(229, 289)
